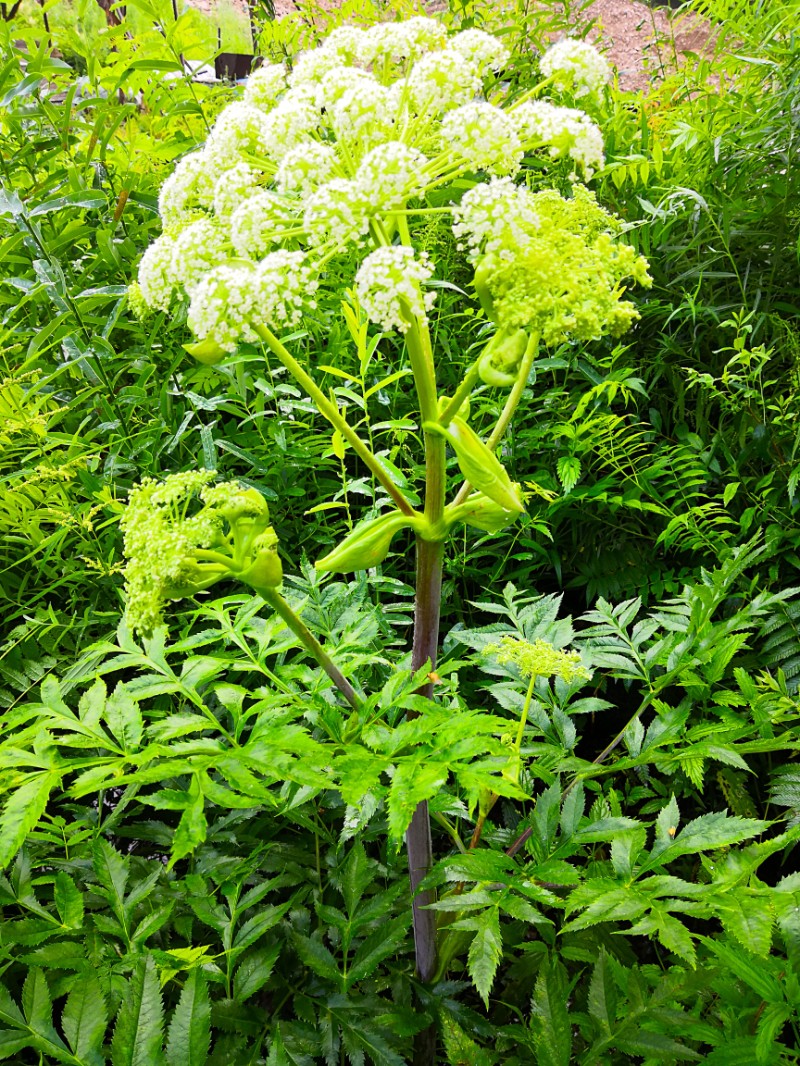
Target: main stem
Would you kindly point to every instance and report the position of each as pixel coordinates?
(427, 605)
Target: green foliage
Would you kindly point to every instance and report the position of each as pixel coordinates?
(202, 846)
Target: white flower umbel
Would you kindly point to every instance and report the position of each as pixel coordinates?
(575, 66)
(156, 279)
(484, 137)
(223, 306)
(198, 248)
(240, 130)
(336, 213)
(310, 66)
(349, 43)
(495, 217)
(332, 86)
(364, 114)
(481, 49)
(405, 40)
(390, 174)
(189, 186)
(564, 131)
(265, 86)
(260, 222)
(285, 285)
(293, 121)
(388, 287)
(306, 167)
(233, 187)
(440, 81)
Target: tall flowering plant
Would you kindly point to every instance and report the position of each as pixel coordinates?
(334, 161)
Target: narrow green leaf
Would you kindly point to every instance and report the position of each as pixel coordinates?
(253, 972)
(189, 1034)
(485, 952)
(550, 1022)
(124, 719)
(110, 869)
(68, 900)
(317, 957)
(36, 1003)
(84, 1017)
(459, 1048)
(137, 1034)
(603, 994)
(23, 810)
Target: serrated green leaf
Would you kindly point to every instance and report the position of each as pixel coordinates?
(189, 1035)
(124, 719)
(36, 1003)
(384, 942)
(754, 972)
(23, 810)
(355, 877)
(603, 994)
(459, 1048)
(550, 1022)
(110, 869)
(706, 833)
(414, 780)
(485, 952)
(317, 957)
(68, 900)
(140, 1021)
(84, 1017)
(192, 827)
(253, 972)
(657, 1046)
(746, 918)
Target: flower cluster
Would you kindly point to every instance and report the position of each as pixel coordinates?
(339, 154)
(539, 658)
(177, 545)
(564, 131)
(388, 287)
(576, 67)
(557, 272)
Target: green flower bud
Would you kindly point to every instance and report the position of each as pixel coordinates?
(480, 512)
(207, 351)
(265, 571)
(499, 364)
(481, 467)
(366, 546)
(483, 272)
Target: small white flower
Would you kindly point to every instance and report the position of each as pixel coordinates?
(349, 43)
(305, 167)
(239, 130)
(224, 304)
(405, 40)
(265, 85)
(293, 121)
(336, 212)
(390, 174)
(575, 66)
(484, 137)
(565, 131)
(497, 216)
(285, 284)
(332, 86)
(440, 81)
(156, 280)
(364, 113)
(198, 248)
(481, 49)
(189, 186)
(388, 287)
(259, 222)
(310, 66)
(233, 186)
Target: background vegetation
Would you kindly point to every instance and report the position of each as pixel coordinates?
(642, 906)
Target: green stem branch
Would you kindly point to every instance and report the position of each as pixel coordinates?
(311, 644)
(330, 411)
